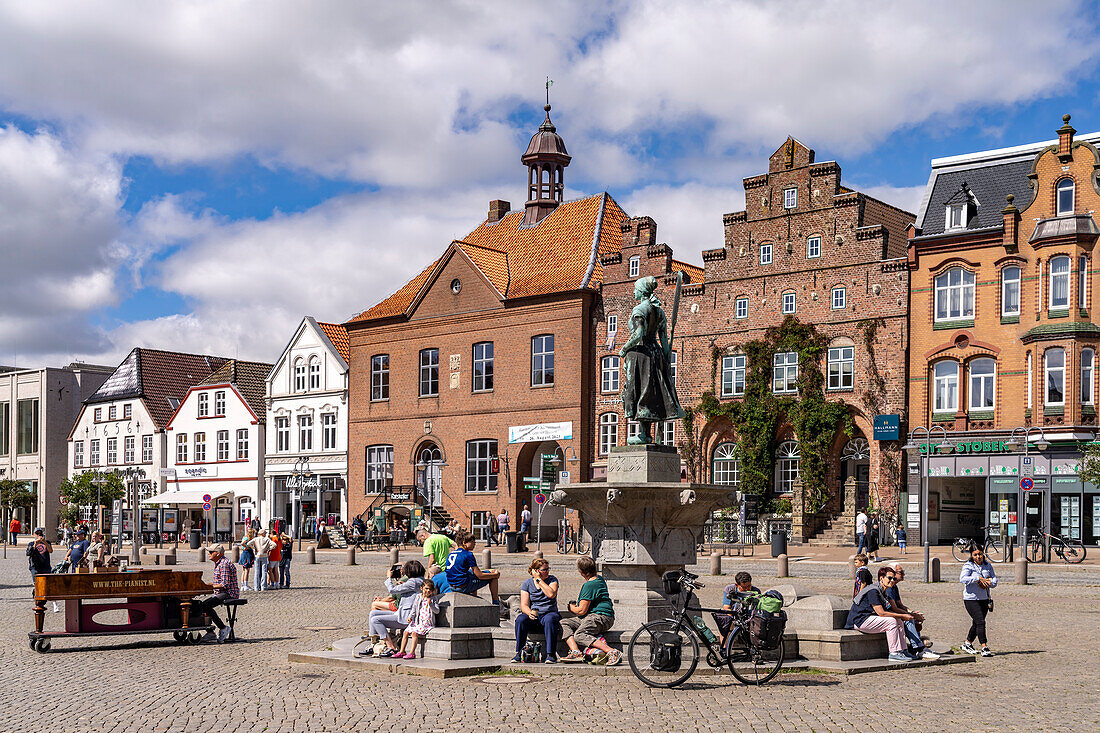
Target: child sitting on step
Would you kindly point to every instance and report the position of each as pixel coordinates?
(421, 622)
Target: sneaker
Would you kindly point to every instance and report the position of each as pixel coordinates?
(223, 634)
(366, 652)
(926, 654)
(387, 653)
(517, 659)
(968, 648)
(986, 652)
(550, 660)
(573, 656)
(899, 657)
(209, 637)
(614, 658)
(600, 659)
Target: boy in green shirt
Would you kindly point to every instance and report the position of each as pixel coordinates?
(594, 615)
(436, 546)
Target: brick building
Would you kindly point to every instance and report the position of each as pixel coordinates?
(1003, 337)
(805, 248)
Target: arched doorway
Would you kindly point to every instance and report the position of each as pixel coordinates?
(855, 461)
(429, 474)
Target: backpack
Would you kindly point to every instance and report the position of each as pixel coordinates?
(767, 628)
(665, 654)
(531, 652)
(771, 602)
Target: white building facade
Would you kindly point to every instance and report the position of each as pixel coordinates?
(307, 435)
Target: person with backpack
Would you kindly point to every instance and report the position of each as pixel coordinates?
(977, 578)
(38, 558)
(871, 614)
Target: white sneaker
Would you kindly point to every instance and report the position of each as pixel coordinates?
(210, 636)
(926, 654)
(224, 634)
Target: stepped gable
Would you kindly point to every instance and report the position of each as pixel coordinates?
(250, 379)
(338, 336)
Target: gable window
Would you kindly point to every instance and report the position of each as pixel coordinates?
(479, 466)
(609, 374)
(93, 455)
(741, 308)
(128, 409)
(612, 324)
(483, 367)
(788, 303)
(112, 412)
(725, 467)
(842, 367)
(813, 247)
(112, 451)
(956, 216)
(945, 386)
(766, 254)
(147, 449)
(1010, 291)
(1064, 197)
(200, 447)
(204, 404)
(305, 432)
(282, 434)
(1082, 282)
(219, 404)
(785, 372)
(542, 360)
(1055, 376)
(429, 373)
(733, 375)
(380, 377)
(78, 454)
(314, 373)
(99, 414)
(790, 198)
(128, 449)
(840, 298)
(181, 448)
(379, 468)
(982, 382)
(635, 266)
(242, 444)
(223, 445)
(787, 458)
(328, 431)
(1059, 282)
(954, 295)
(1087, 356)
(609, 432)
(299, 375)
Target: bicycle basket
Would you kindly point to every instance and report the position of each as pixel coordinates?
(767, 628)
(665, 653)
(673, 586)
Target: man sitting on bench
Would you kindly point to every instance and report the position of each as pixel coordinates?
(225, 588)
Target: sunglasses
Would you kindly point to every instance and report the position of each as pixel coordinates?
(888, 577)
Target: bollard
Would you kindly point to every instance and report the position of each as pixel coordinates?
(538, 554)
(486, 559)
(202, 554)
(715, 563)
(1021, 570)
(851, 567)
(935, 570)
(782, 571)
(311, 555)
(351, 556)
(144, 550)
(395, 556)
(236, 554)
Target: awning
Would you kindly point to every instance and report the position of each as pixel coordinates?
(187, 496)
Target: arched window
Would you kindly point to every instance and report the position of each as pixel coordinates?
(299, 375)
(945, 386)
(1010, 291)
(1055, 363)
(726, 466)
(1087, 358)
(786, 466)
(314, 373)
(954, 294)
(982, 378)
(1059, 282)
(609, 432)
(1064, 198)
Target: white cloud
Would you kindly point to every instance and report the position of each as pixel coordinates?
(689, 217)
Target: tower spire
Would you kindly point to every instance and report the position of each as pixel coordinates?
(546, 159)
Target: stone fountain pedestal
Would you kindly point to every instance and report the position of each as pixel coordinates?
(643, 522)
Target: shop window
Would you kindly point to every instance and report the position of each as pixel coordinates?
(945, 386)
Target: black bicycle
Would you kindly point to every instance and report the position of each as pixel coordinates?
(665, 653)
(571, 540)
(992, 545)
(1070, 550)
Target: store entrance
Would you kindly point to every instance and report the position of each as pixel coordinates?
(1035, 509)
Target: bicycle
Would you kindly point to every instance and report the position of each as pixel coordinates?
(665, 653)
(1070, 550)
(993, 547)
(571, 540)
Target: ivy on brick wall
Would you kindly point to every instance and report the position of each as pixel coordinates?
(757, 415)
(874, 400)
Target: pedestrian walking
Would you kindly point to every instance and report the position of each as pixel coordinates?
(525, 523)
(872, 537)
(261, 545)
(284, 560)
(14, 528)
(494, 531)
(861, 531)
(977, 578)
(502, 525)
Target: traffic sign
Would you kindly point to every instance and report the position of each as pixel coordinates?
(1027, 484)
(540, 498)
(63, 500)
(1027, 460)
(206, 507)
(206, 499)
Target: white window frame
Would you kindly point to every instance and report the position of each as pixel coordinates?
(790, 198)
(1059, 189)
(200, 448)
(112, 412)
(609, 374)
(725, 466)
(785, 372)
(612, 324)
(945, 384)
(203, 404)
(962, 291)
(1009, 283)
(950, 222)
(1082, 282)
(982, 385)
(380, 377)
(1062, 276)
(314, 372)
(147, 449)
(766, 253)
(93, 453)
(328, 431)
(223, 445)
(1088, 376)
(128, 450)
(480, 478)
(672, 367)
(1030, 380)
(429, 373)
(839, 297)
(844, 359)
(788, 459)
(181, 448)
(481, 369)
(634, 265)
(378, 473)
(1054, 371)
(609, 432)
(741, 308)
(112, 451)
(282, 434)
(813, 247)
(790, 305)
(242, 444)
(733, 375)
(542, 360)
(219, 403)
(98, 415)
(305, 432)
(299, 375)
(78, 454)
(668, 432)
(127, 411)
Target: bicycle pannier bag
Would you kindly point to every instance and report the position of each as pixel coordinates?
(664, 652)
(767, 628)
(671, 579)
(771, 602)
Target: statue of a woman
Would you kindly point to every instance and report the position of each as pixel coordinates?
(648, 393)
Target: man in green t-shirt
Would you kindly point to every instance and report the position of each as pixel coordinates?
(436, 546)
(594, 616)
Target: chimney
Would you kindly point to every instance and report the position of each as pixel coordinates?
(1065, 140)
(1011, 223)
(497, 210)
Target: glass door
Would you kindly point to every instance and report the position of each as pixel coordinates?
(1035, 505)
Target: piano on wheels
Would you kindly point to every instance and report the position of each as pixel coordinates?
(152, 601)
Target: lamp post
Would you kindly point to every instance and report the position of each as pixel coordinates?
(1021, 501)
(301, 475)
(131, 475)
(912, 445)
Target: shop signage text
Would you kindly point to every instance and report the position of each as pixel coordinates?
(540, 432)
(972, 446)
(887, 427)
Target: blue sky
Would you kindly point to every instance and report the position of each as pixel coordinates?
(197, 176)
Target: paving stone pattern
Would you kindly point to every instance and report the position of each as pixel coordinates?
(1044, 677)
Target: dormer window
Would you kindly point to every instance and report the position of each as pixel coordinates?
(961, 207)
(956, 216)
(1064, 197)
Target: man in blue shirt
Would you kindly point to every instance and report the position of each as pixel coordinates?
(463, 574)
(77, 549)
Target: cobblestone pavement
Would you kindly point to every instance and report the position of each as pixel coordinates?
(1044, 676)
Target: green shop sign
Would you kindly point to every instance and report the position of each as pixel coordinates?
(971, 446)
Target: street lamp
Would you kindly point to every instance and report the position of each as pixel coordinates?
(1021, 501)
(301, 473)
(131, 475)
(913, 445)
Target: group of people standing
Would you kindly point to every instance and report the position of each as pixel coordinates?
(266, 557)
(501, 524)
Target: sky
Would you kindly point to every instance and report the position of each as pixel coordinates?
(200, 175)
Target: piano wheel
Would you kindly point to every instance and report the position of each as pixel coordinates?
(180, 637)
(194, 637)
(42, 645)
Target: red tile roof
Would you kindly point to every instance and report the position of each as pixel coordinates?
(551, 257)
(692, 273)
(338, 335)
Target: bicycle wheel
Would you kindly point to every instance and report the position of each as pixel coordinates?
(995, 551)
(1074, 551)
(748, 662)
(1034, 550)
(641, 653)
(961, 549)
(579, 545)
(563, 545)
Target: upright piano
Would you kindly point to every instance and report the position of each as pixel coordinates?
(154, 601)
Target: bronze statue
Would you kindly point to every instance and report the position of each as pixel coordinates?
(648, 393)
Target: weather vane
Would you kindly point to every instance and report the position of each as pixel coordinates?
(549, 83)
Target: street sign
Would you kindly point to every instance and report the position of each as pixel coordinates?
(63, 500)
(1027, 470)
(1027, 460)
(206, 507)
(564, 477)
(540, 498)
(1027, 484)
(206, 499)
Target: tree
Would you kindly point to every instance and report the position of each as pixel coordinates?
(1090, 464)
(68, 515)
(85, 489)
(15, 494)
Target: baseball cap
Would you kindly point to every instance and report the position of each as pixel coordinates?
(216, 548)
